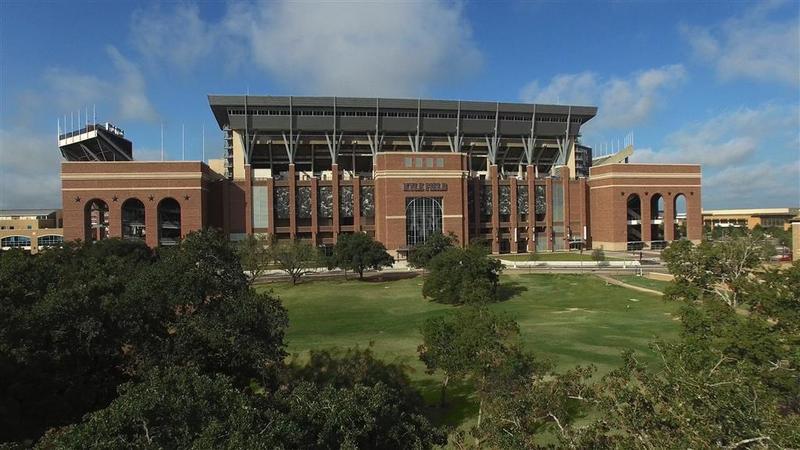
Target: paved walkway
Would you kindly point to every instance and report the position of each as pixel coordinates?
(614, 281)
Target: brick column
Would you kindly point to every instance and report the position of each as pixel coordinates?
(114, 217)
(292, 202)
(356, 204)
(476, 204)
(514, 214)
(647, 236)
(584, 208)
(314, 210)
(531, 179)
(549, 212)
(694, 217)
(151, 222)
(465, 187)
(669, 217)
(565, 188)
(335, 194)
(495, 208)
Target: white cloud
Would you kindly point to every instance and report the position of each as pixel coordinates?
(727, 138)
(763, 44)
(760, 185)
(354, 48)
(126, 93)
(30, 165)
(179, 38)
(622, 102)
(131, 90)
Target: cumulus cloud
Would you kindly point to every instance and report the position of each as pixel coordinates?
(29, 169)
(125, 93)
(29, 155)
(762, 44)
(767, 185)
(727, 138)
(622, 102)
(179, 38)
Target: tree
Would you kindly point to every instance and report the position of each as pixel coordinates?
(466, 343)
(171, 408)
(359, 252)
(598, 255)
(295, 257)
(421, 255)
(255, 255)
(714, 269)
(460, 276)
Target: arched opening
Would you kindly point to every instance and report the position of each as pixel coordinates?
(680, 217)
(634, 221)
(657, 221)
(169, 222)
(95, 216)
(423, 218)
(133, 219)
(10, 242)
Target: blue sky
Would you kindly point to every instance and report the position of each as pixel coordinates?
(716, 83)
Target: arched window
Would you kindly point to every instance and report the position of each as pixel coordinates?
(169, 222)
(423, 218)
(680, 216)
(50, 240)
(133, 219)
(634, 221)
(95, 216)
(15, 242)
(657, 217)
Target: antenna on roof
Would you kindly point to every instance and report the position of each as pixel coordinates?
(183, 143)
(162, 140)
(204, 142)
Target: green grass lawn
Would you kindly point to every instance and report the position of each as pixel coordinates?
(571, 319)
(636, 280)
(554, 256)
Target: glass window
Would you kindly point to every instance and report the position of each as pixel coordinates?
(440, 162)
(408, 162)
(50, 241)
(429, 163)
(15, 242)
(418, 162)
(423, 218)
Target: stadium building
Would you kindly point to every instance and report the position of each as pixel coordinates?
(313, 168)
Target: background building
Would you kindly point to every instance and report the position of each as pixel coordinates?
(30, 229)
(766, 217)
(312, 168)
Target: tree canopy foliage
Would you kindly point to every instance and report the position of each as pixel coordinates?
(359, 252)
(421, 255)
(110, 345)
(295, 257)
(459, 276)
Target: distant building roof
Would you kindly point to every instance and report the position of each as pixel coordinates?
(27, 212)
(752, 212)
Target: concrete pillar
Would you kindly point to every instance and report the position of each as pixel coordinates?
(796, 238)
(248, 199)
(495, 208)
(270, 205)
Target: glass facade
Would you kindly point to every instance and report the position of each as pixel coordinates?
(423, 218)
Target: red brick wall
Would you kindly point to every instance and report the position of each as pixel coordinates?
(150, 182)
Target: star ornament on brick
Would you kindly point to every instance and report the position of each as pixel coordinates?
(77, 198)
(114, 198)
(150, 197)
(186, 197)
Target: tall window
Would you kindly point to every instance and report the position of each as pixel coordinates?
(423, 218)
(133, 219)
(169, 222)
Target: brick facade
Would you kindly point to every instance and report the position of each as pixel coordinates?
(319, 209)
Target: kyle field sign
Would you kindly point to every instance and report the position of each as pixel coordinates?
(424, 187)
